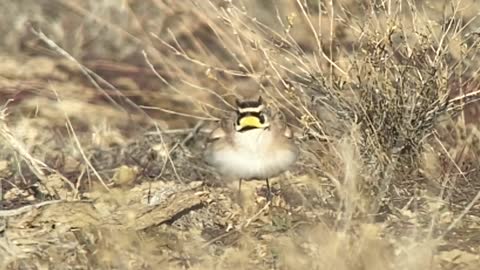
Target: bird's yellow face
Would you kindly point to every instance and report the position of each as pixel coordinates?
(252, 121)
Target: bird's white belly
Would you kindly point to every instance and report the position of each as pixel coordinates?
(252, 158)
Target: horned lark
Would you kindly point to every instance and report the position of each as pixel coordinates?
(249, 145)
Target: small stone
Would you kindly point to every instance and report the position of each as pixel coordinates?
(125, 175)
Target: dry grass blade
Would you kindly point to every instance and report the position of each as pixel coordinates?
(382, 97)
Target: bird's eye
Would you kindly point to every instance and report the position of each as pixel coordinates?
(261, 117)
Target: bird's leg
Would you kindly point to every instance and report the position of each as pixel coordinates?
(269, 191)
(239, 185)
(239, 192)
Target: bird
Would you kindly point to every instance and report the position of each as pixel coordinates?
(248, 145)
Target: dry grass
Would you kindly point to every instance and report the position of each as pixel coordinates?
(106, 106)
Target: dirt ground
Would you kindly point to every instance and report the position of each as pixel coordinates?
(105, 107)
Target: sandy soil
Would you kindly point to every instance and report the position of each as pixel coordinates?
(106, 106)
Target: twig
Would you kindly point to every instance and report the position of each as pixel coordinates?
(26, 208)
(470, 205)
(79, 146)
(465, 96)
(34, 164)
(194, 100)
(179, 113)
(192, 133)
(90, 75)
(177, 131)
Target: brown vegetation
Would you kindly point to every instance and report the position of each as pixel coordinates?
(105, 107)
